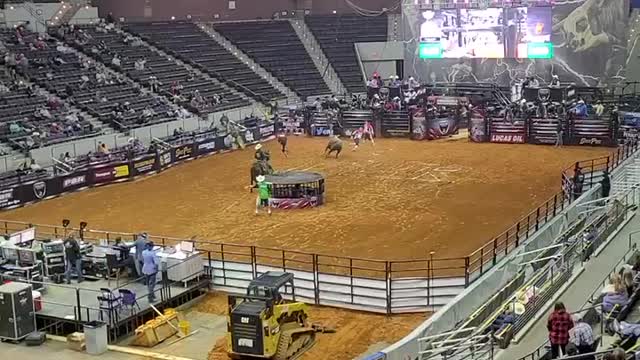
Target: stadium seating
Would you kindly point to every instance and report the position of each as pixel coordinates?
(167, 71)
(187, 42)
(337, 35)
(28, 119)
(276, 47)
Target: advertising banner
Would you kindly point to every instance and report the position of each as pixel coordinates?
(320, 130)
(267, 131)
(74, 181)
(9, 197)
(144, 165)
(508, 138)
(207, 146)
(104, 174)
(165, 159)
(38, 190)
(183, 152)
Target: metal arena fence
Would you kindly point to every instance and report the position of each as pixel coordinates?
(385, 286)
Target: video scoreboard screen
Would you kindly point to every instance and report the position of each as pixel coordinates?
(504, 32)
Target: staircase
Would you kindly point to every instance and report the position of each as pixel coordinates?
(317, 55)
(292, 97)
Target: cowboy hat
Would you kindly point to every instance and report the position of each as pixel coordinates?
(259, 146)
(260, 178)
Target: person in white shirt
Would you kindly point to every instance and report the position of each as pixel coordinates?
(116, 61)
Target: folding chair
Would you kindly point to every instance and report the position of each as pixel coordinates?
(129, 299)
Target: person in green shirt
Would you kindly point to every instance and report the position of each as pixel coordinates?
(264, 193)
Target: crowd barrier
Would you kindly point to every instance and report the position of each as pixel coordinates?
(23, 193)
(356, 283)
(575, 131)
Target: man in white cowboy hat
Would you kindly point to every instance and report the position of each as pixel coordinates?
(260, 154)
(264, 193)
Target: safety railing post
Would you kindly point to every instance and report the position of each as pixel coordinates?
(284, 262)
(506, 243)
(351, 279)
(224, 272)
(387, 269)
(537, 218)
(495, 250)
(79, 316)
(518, 234)
(481, 259)
(211, 270)
(254, 267)
(466, 271)
(316, 280)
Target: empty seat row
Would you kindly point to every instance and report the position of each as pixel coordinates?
(188, 42)
(276, 47)
(337, 36)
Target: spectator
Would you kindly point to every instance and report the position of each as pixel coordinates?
(23, 64)
(580, 109)
(598, 108)
(153, 83)
(582, 335)
(73, 259)
(116, 62)
(67, 158)
(615, 297)
(139, 64)
(15, 128)
(627, 280)
(109, 19)
(559, 324)
(616, 354)
(103, 149)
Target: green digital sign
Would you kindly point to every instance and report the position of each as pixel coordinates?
(540, 50)
(430, 50)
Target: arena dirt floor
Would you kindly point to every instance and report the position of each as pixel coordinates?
(399, 199)
(355, 331)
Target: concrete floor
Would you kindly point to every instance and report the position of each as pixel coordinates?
(54, 350)
(209, 329)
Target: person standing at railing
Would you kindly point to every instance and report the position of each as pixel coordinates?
(150, 269)
(559, 324)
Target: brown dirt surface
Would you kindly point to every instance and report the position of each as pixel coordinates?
(398, 199)
(355, 331)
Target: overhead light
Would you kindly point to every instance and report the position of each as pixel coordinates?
(173, 18)
(11, 7)
(334, 11)
(188, 17)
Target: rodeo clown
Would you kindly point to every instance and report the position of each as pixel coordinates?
(264, 193)
(357, 137)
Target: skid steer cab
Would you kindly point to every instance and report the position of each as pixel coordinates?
(261, 324)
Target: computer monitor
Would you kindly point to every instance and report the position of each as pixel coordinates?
(186, 246)
(10, 254)
(26, 256)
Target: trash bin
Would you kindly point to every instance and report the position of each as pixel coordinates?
(185, 327)
(95, 337)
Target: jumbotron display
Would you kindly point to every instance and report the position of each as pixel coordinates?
(517, 32)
